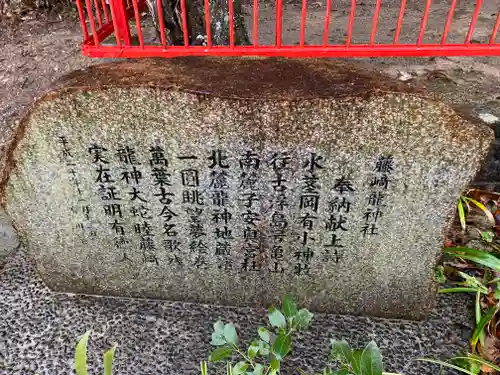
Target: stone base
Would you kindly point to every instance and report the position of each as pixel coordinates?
(158, 337)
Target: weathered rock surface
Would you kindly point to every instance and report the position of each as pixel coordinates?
(237, 180)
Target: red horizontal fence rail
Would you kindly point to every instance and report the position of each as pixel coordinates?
(116, 28)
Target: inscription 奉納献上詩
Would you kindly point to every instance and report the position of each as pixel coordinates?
(217, 210)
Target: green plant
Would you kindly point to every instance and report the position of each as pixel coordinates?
(81, 357)
(267, 351)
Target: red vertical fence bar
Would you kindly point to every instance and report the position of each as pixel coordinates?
(115, 23)
(397, 32)
(138, 23)
(105, 9)
(185, 34)
(375, 23)
(473, 21)
(92, 23)
(303, 17)
(98, 12)
(351, 23)
(255, 23)
(161, 23)
(423, 24)
(83, 20)
(231, 23)
(449, 20)
(122, 21)
(495, 30)
(208, 28)
(327, 22)
(279, 22)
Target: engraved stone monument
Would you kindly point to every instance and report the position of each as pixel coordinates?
(235, 181)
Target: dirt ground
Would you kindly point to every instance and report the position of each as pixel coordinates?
(40, 47)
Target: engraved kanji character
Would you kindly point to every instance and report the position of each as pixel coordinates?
(384, 164)
(96, 152)
(224, 233)
(121, 242)
(221, 216)
(301, 269)
(164, 196)
(161, 176)
(190, 177)
(382, 181)
(108, 193)
(337, 204)
(343, 185)
(304, 255)
(220, 198)
(313, 162)
(172, 245)
(145, 228)
(169, 229)
(250, 217)
(167, 213)
(250, 234)
(218, 158)
(307, 220)
(249, 199)
(376, 199)
(136, 195)
(198, 246)
(250, 160)
(279, 161)
(127, 155)
(103, 175)
(192, 197)
(250, 264)
(372, 214)
(65, 152)
(147, 243)
(223, 248)
(249, 180)
(158, 156)
(369, 230)
(113, 210)
(335, 222)
(141, 211)
(118, 227)
(309, 201)
(305, 238)
(201, 262)
(219, 180)
(134, 175)
(334, 241)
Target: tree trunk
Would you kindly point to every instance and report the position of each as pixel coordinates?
(219, 22)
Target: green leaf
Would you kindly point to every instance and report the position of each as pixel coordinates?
(220, 354)
(217, 339)
(263, 348)
(478, 256)
(240, 368)
(341, 351)
(289, 307)
(445, 364)
(264, 334)
(230, 334)
(303, 318)
(274, 364)
(356, 361)
(276, 318)
(483, 208)
(81, 355)
(282, 346)
(487, 236)
(480, 360)
(371, 360)
(483, 322)
(461, 213)
(253, 349)
(258, 369)
(219, 327)
(342, 371)
(109, 356)
(440, 276)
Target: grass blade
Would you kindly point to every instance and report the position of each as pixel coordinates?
(459, 290)
(480, 360)
(479, 329)
(204, 368)
(109, 356)
(446, 364)
(483, 208)
(478, 256)
(81, 355)
(461, 212)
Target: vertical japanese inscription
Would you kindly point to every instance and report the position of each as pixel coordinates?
(80, 208)
(377, 196)
(250, 199)
(280, 164)
(308, 212)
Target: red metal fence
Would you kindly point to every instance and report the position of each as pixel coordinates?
(119, 28)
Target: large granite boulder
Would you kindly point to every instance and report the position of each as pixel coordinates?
(235, 181)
